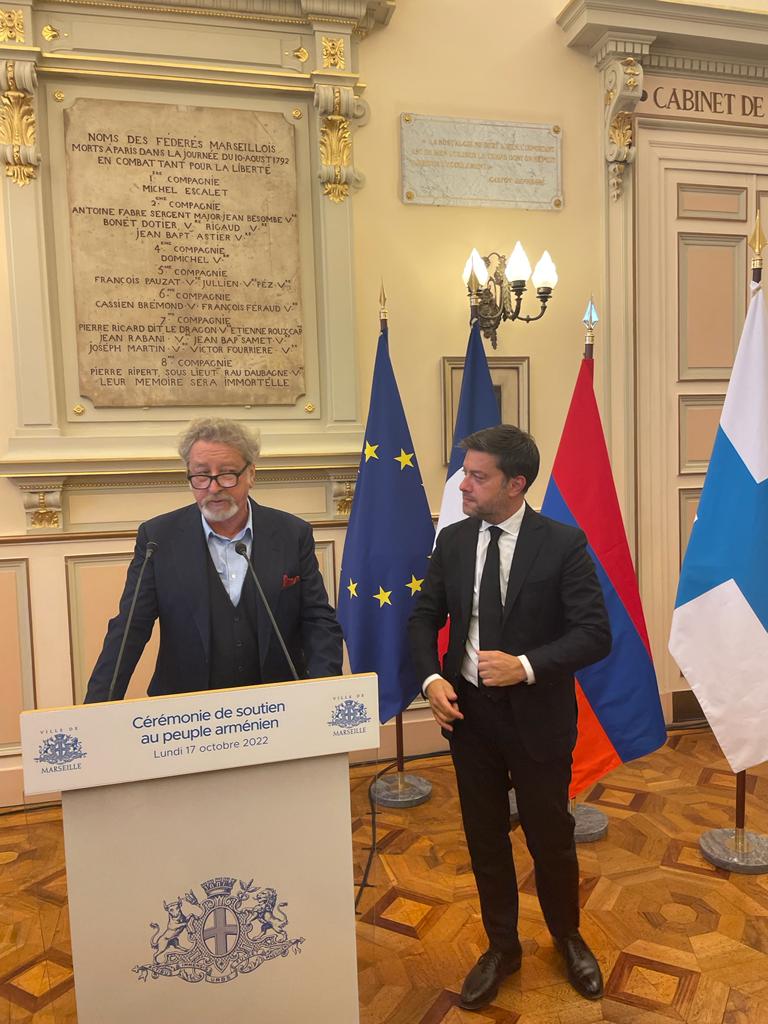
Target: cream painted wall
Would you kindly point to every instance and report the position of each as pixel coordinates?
(507, 63)
(12, 520)
(749, 6)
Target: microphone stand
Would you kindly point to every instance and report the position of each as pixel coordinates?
(242, 549)
(151, 549)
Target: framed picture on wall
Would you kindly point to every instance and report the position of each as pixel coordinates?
(511, 382)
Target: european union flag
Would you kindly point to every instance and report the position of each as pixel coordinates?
(389, 540)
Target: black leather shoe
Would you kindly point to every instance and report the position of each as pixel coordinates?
(583, 969)
(482, 983)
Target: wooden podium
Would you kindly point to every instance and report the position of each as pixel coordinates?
(208, 850)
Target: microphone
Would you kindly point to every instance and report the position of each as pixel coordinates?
(149, 552)
(241, 549)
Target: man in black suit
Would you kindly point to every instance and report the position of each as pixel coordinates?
(214, 631)
(526, 612)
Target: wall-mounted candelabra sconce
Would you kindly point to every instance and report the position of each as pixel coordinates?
(496, 284)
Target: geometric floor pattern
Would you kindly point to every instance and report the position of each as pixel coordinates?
(36, 982)
(677, 938)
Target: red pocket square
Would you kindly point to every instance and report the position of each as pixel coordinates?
(290, 581)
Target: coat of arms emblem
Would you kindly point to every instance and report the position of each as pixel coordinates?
(61, 748)
(348, 714)
(220, 937)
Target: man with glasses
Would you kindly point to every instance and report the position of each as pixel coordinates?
(214, 629)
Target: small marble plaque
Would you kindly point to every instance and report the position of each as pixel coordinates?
(447, 161)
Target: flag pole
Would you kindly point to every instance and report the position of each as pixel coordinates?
(736, 849)
(401, 790)
(591, 822)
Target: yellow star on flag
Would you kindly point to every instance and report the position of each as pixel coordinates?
(404, 458)
(383, 597)
(352, 588)
(370, 451)
(414, 585)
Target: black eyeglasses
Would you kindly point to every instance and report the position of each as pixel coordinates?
(202, 481)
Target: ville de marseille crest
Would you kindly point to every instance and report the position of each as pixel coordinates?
(349, 714)
(220, 937)
(62, 748)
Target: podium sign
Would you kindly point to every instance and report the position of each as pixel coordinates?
(209, 875)
(125, 741)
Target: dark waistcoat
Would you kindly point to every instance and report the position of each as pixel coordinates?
(234, 638)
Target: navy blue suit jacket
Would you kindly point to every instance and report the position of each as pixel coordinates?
(554, 614)
(175, 591)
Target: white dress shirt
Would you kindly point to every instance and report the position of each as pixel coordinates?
(510, 529)
(230, 566)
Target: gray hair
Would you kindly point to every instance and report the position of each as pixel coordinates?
(229, 432)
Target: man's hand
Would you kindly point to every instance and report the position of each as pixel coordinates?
(499, 669)
(444, 703)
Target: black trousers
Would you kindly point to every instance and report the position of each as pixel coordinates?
(487, 752)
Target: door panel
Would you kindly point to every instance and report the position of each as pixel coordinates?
(697, 194)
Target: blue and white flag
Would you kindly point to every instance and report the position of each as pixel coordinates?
(478, 408)
(389, 541)
(719, 632)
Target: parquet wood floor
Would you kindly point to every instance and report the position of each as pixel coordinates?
(678, 939)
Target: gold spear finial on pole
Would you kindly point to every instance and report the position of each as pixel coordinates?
(757, 241)
(383, 315)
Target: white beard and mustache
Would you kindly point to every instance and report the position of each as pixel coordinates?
(219, 515)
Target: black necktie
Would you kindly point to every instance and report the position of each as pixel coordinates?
(489, 603)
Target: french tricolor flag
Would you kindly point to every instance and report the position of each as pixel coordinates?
(478, 409)
(620, 716)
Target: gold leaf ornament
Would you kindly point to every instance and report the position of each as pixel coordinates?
(11, 26)
(333, 53)
(17, 129)
(620, 131)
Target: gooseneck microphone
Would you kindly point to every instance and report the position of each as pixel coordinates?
(242, 549)
(149, 552)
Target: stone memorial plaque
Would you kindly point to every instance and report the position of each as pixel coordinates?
(451, 162)
(185, 254)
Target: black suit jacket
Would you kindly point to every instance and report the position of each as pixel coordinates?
(175, 591)
(554, 614)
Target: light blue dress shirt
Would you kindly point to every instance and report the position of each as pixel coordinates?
(230, 566)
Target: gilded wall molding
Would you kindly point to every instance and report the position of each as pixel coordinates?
(42, 503)
(336, 105)
(343, 493)
(18, 129)
(360, 16)
(696, 65)
(46, 499)
(613, 47)
(623, 82)
(11, 26)
(333, 53)
(701, 28)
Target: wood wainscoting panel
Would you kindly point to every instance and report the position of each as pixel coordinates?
(712, 275)
(689, 503)
(17, 685)
(710, 202)
(698, 420)
(94, 586)
(325, 549)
